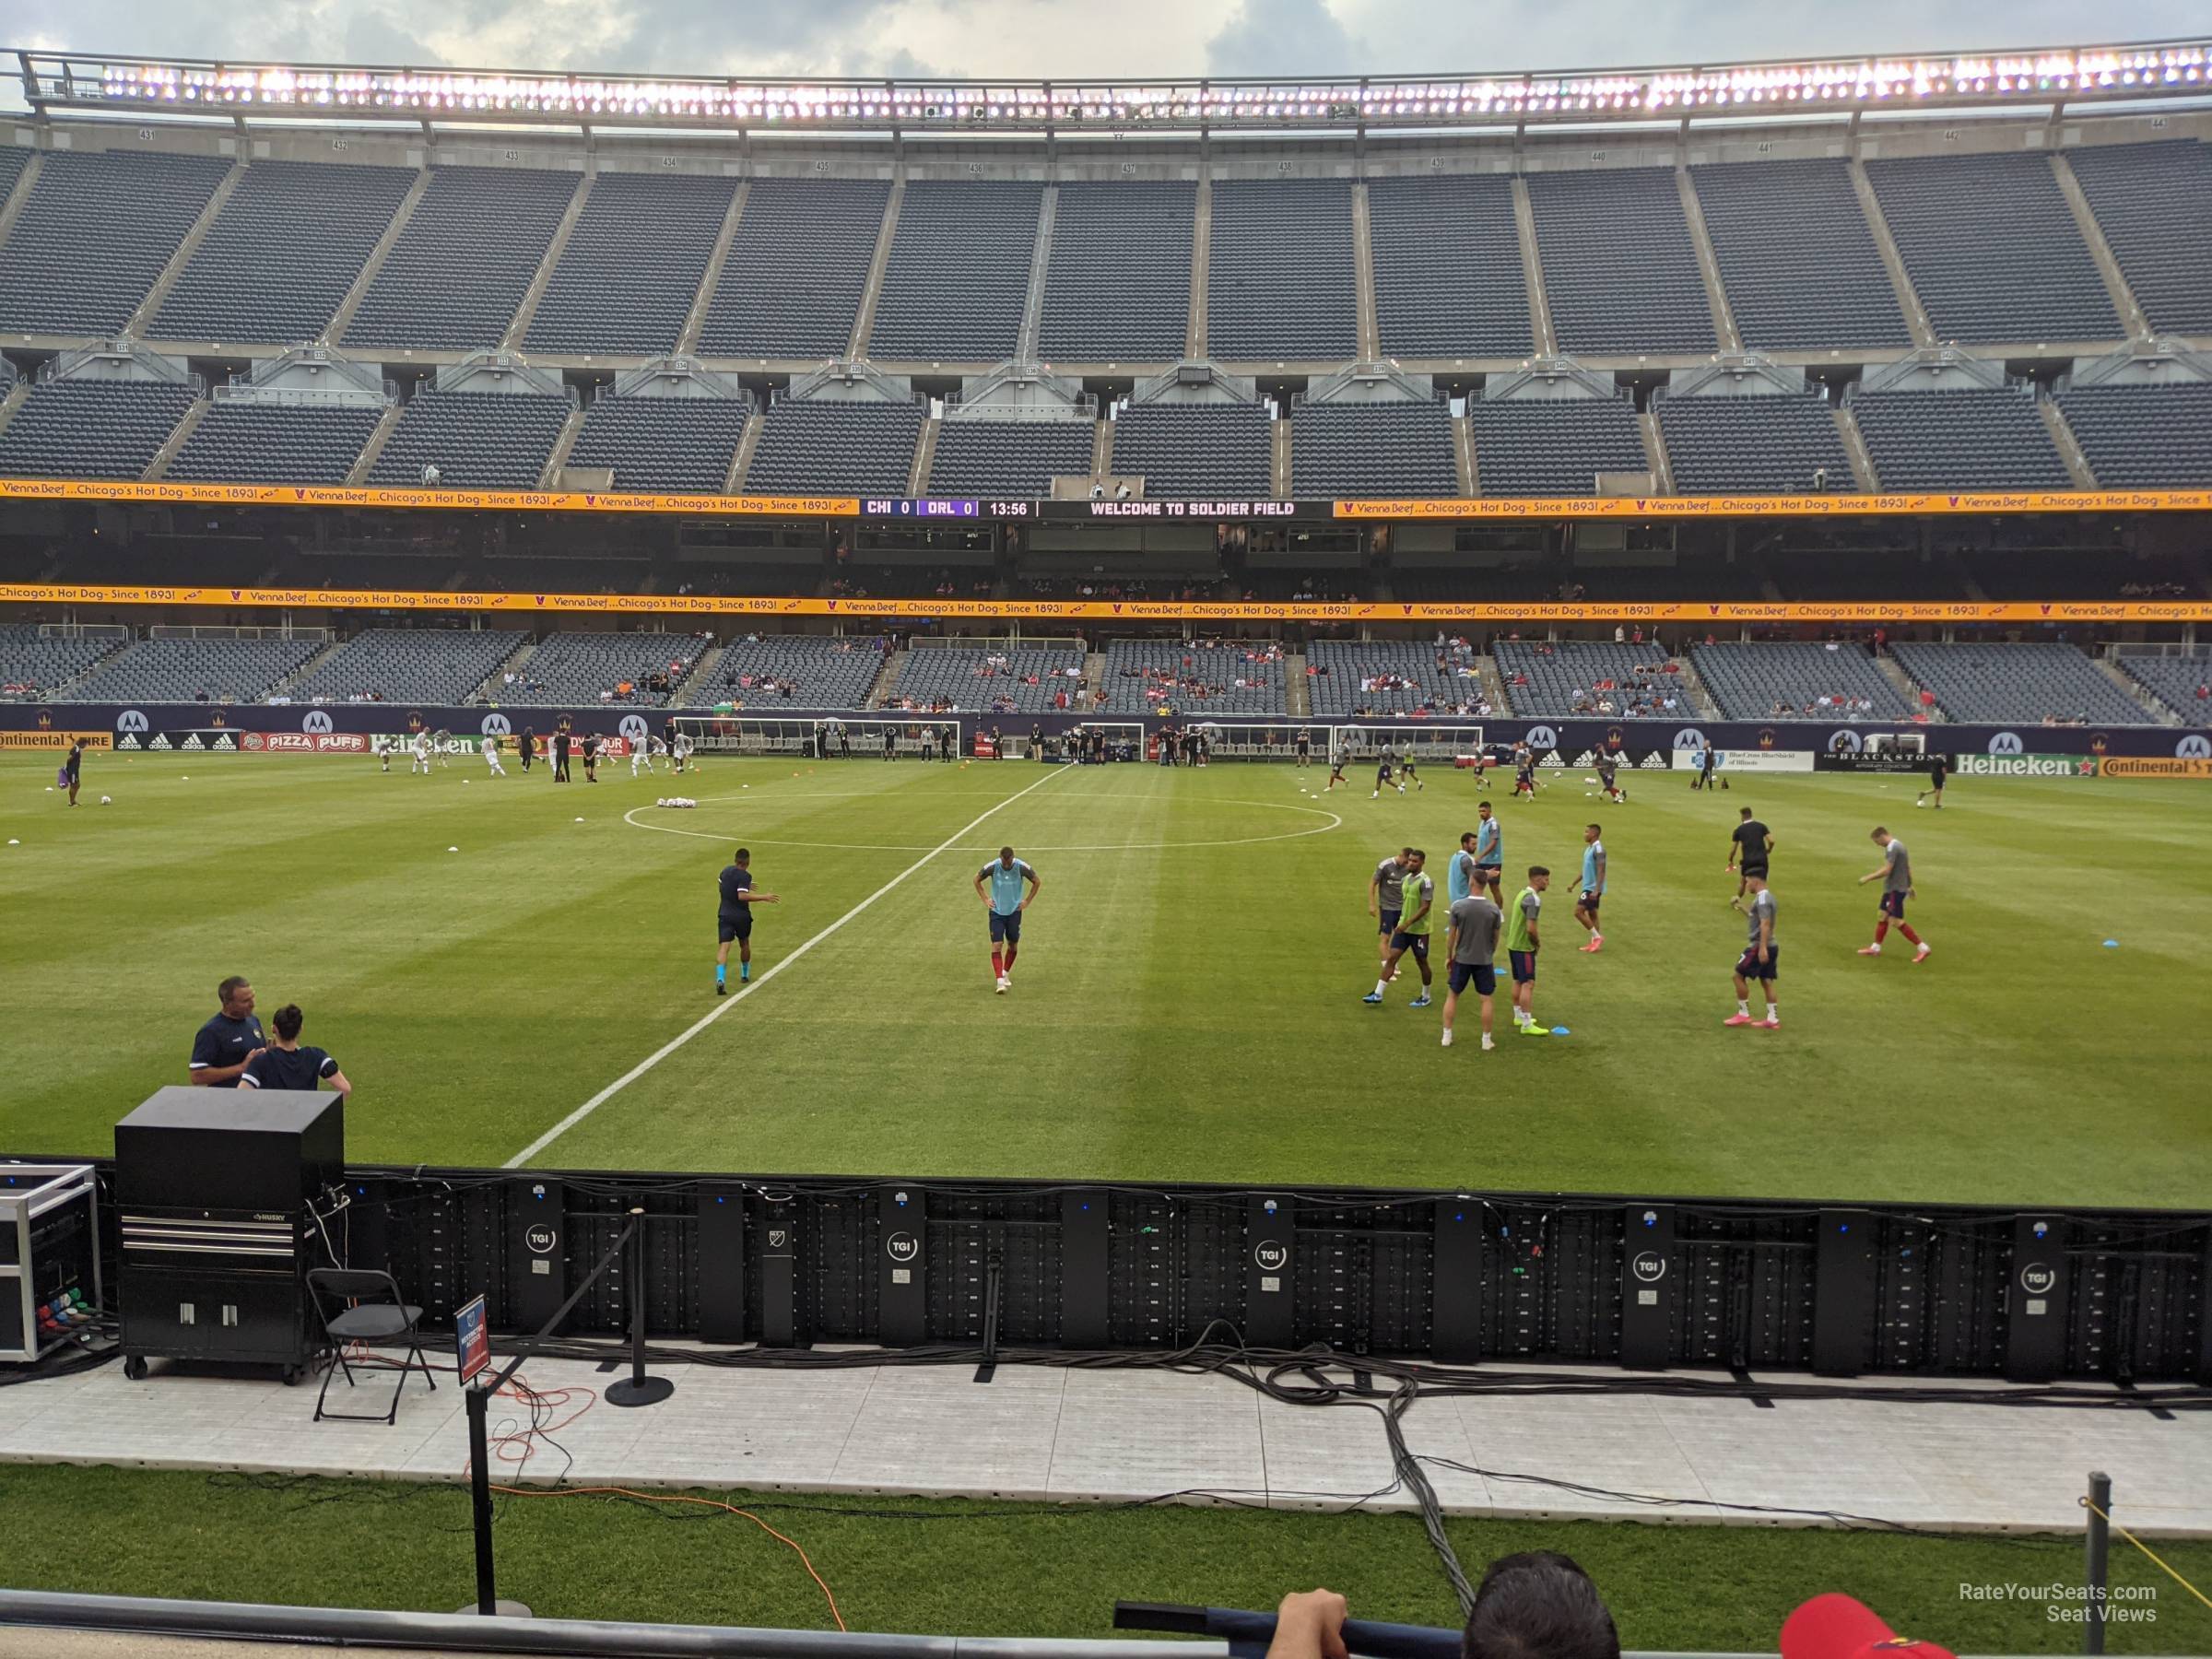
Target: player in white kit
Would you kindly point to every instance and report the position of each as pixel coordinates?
(418, 756)
(491, 747)
(683, 750)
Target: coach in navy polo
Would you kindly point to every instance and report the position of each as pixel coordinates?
(227, 1043)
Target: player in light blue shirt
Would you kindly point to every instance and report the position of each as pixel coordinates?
(1593, 889)
(1006, 875)
(1460, 874)
(1489, 853)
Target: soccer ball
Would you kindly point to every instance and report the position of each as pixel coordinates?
(452, 849)
(107, 800)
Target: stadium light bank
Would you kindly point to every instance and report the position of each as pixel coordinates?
(2100, 74)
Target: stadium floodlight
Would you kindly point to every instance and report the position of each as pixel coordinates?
(2095, 74)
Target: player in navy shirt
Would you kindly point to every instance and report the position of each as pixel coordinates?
(73, 772)
(227, 1044)
(735, 921)
(285, 1065)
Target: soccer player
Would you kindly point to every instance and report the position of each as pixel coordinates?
(681, 750)
(419, 755)
(1896, 877)
(1489, 853)
(285, 1065)
(562, 742)
(1305, 745)
(1335, 770)
(1939, 769)
(640, 751)
(1760, 959)
(1417, 902)
(591, 757)
(1525, 771)
(442, 744)
(73, 769)
(1006, 902)
(1748, 844)
(1409, 771)
(735, 922)
(1593, 889)
(490, 746)
(1607, 767)
(1384, 770)
(1385, 897)
(1471, 954)
(1706, 760)
(381, 746)
(529, 746)
(1523, 940)
(1459, 879)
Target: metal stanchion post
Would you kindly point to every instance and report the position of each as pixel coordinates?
(637, 1389)
(488, 1601)
(2099, 1541)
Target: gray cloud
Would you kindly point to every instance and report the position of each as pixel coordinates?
(1278, 37)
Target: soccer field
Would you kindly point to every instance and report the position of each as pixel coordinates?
(1187, 1004)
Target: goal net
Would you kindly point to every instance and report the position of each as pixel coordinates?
(1426, 743)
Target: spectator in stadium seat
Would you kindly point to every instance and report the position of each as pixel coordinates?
(1537, 1604)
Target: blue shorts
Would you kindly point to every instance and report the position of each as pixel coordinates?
(734, 927)
(1590, 900)
(1748, 966)
(1481, 975)
(1007, 927)
(1416, 942)
(1893, 906)
(1390, 921)
(1524, 965)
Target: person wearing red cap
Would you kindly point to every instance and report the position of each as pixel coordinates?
(1837, 1627)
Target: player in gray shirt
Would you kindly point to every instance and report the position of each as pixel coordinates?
(1472, 946)
(1386, 897)
(1896, 877)
(1761, 958)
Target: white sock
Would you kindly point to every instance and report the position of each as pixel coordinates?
(1743, 1005)
(1447, 1036)
(1774, 1012)
(1485, 1041)
(1379, 984)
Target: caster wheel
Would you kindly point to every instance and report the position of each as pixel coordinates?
(134, 1367)
(292, 1376)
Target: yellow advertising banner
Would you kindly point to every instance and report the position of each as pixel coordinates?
(2153, 766)
(1960, 612)
(1768, 506)
(505, 500)
(56, 740)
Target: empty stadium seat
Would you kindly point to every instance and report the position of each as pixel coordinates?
(1967, 438)
(181, 671)
(590, 668)
(465, 257)
(1992, 248)
(1343, 674)
(2182, 683)
(93, 235)
(1552, 446)
(626, 279)
(475, 440)
(792, 282)
(91, 428)
(1197, 451)
(1583, 675)
(2153, 203)
(1117, 286)
(1194, 678)
(33, 665)
(1017, 458)
(2144, 437)
(282, 254)
(2017, 685)
(1620, 274)
(1779, 680)
(958, 276)
(968, 679)
(1797, 259)
(410, 665)
(1372, 449)
(274, 444)
(1771, 444)
(664, 445)
(1449, 280)
(833, 674)
(1279, 277)
(858, 447)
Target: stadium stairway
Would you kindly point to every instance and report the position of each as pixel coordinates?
(358, 472)
(925, 453)
(512, 665)
(559, 457)
(1916, 316)
(1693, 686)
(2062, 436)
(1032, 304)
(1298, 693)
(1278, 465)
(1492, 682)
(14, 401)
(886, 679)
(704, 674)
(1094, 677)
(283, 688)
(1855, 445)
(686, 342)
(1463, 456)
(370, 267)
(518, 327)
(13, 206)
(150, 307)
(1202, 256)
(1101, 450)
(1709, 264)
(157, 467)
(2136, 692)
(1363, 276)
(743, 459)
(863, 320)
(1886, 667)
(1655, 454)
(1532, 272)
(2100, 251)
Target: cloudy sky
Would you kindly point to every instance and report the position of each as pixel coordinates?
(1059, 38)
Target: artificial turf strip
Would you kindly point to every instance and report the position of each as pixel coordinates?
(1038, 1570)
(1186, 1005)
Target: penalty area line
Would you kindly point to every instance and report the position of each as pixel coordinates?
(750, 987)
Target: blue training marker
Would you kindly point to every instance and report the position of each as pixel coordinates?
(2112, 944)
(1558, 1030)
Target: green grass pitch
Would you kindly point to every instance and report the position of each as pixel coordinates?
(1187, 1004)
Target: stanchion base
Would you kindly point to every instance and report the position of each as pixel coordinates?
(504, 1608)
(645, 1390)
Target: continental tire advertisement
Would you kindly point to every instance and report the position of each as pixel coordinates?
(2152, 766)
(55, 740)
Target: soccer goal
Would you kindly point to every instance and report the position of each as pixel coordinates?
(915, 737)
(1425, 742)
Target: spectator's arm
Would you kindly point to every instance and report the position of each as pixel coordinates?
(1310, 1625)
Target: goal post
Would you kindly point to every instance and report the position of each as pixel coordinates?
(833, 737)
(1424, 742)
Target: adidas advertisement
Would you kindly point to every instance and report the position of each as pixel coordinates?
(161, 741)
(192, 742)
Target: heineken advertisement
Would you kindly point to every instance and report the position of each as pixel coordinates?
(2026, 766)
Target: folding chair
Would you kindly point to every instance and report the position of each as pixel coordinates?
(368, 1310)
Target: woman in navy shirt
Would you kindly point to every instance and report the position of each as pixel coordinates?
(285, 1065)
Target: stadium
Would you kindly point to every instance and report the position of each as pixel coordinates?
(1154, 605)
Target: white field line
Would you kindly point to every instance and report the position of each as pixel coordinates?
(750, 987)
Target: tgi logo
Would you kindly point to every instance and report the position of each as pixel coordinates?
(1845, 742)
(2039, 1278)
(633, 727)
(497, 726)
(1689, 737)
(1649, 1267)
(317, 720)
(2008, 743)
(2195, 747)
(1543, 737)
(541, 1236)
(131, 720)
(903, 1247)
(1270, 1255)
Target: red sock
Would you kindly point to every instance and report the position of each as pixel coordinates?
(1012, 952)
(1881, 929)
(1906, 929)
(999, 965)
